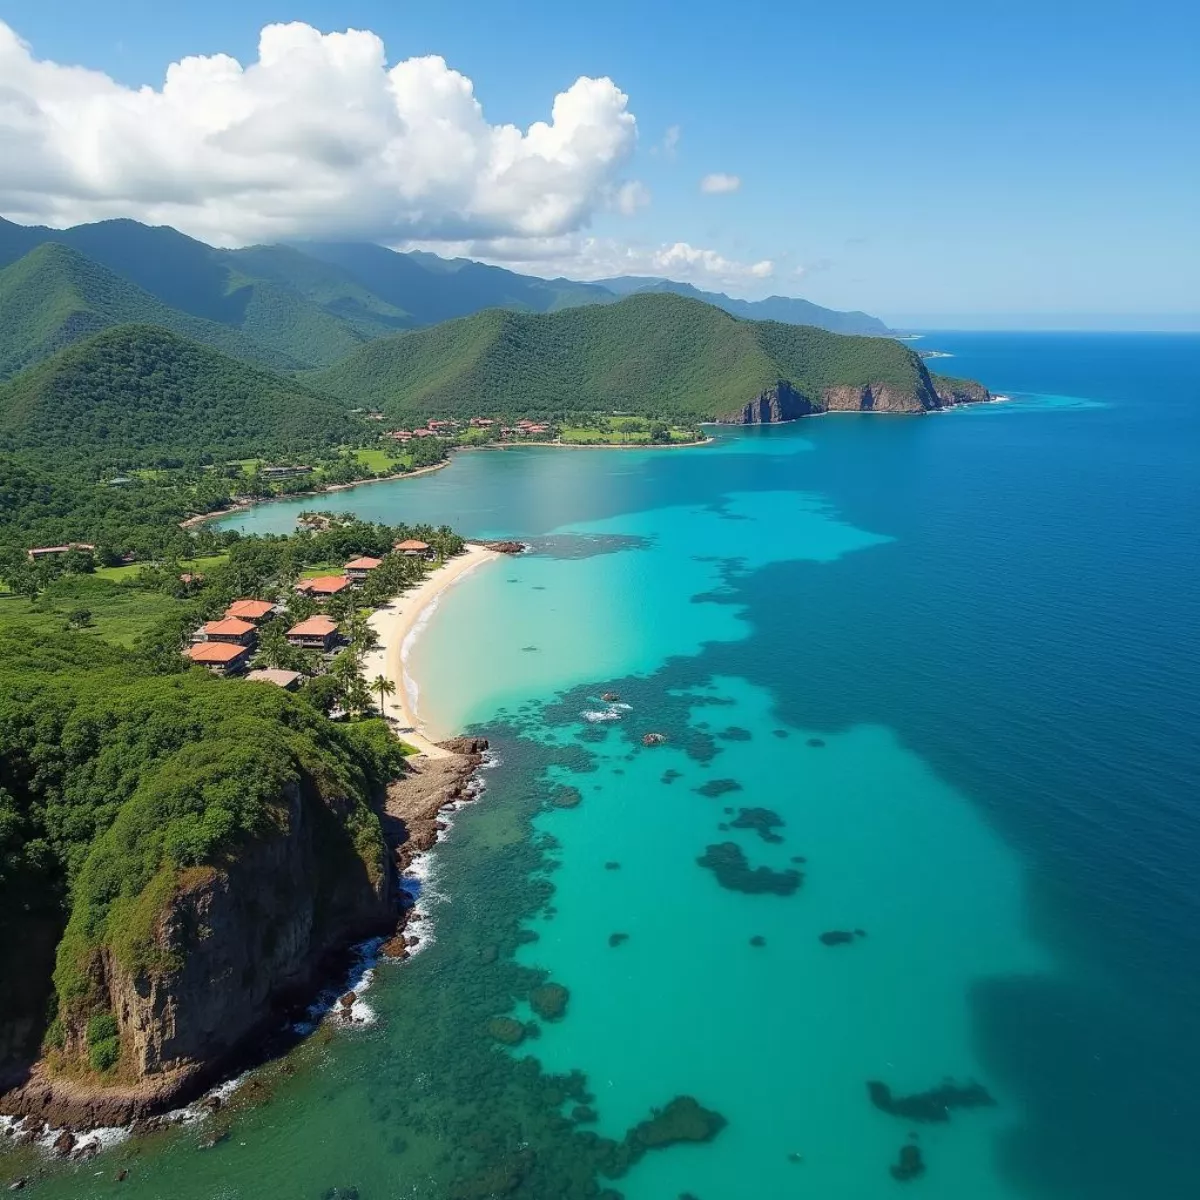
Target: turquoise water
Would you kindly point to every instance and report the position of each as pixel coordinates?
(956, 657)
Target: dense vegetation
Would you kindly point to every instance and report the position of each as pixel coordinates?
(54, 297)
(137, 395)
(655, 355)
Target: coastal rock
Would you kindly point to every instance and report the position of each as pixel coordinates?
(653, 739)
(728, 863)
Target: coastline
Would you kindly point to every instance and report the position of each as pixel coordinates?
(396, 623)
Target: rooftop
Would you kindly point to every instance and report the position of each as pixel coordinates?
(363, 564)
(249, 610)
(411, 544)
(229, 627)
(283, 679)
(215, 652)
(313, 627)
(324, 585)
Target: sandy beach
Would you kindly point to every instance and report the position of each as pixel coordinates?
(394, 623)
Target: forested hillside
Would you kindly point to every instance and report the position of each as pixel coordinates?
(136, 395)
(658, 355)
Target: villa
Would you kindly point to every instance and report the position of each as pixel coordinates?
(250, 610)
(219, 657)
(40, 552)
(411, 548)
(317, 633)
(323, 586)
(288, 680)
(229, 630)
(358, 570)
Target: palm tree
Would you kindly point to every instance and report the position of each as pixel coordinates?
(382, 686)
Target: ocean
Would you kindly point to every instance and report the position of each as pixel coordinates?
(931, 686)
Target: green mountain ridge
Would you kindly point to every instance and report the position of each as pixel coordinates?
(655, 354)
(135, 395)
(55, 296)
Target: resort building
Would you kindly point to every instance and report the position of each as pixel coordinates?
(323, 586)
(288, 680)
(317, 633)
(284, 472)
(250, 610)
(229, 630)
(40, 552)
(358, 570)
(411, 548)
(219, 657)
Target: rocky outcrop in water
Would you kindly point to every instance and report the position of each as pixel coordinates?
(931, 1106)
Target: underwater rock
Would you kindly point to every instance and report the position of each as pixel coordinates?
(506, 1030)
(735, 733)
(799, 858)
(910, 1164)
(815, 743)
(728, 863)
(549, 1001)
(615, 939)
(670, 776)
(612, 866)
(122, 1174)
(582, 1114)
(347, 1001)
(685, 1119)
(780, 733)
(758, 940)
(718, 787)
(763, 821)
(933, 1105)
(860, 933)
(489, 954)
(502, 1178)
(64, 1143)
(566, 797)
(836, 937)
(653, 739)
(611, 697)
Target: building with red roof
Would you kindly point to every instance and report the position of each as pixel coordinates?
(317, 633)
(250, 610)
(323, 586)
(219, 657)
(358, 569)
(230, 629)
(411, 548)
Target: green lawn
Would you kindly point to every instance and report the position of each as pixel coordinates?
(378, 460)
(119, 613)
(195, 565)
(326, 568)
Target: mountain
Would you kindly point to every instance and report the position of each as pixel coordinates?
(437, 289)
(787, 309)
(54, 296)
(654, 354)
(138, 394)
(303, 312)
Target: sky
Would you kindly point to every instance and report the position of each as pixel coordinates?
(991, 165)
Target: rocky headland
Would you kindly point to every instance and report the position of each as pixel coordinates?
(235, 951)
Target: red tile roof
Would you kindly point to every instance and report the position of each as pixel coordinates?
(411, 544)
(324, 585)
(215, 652)
(363, 564)
(313, 627)
(229, 627)
(249, 610)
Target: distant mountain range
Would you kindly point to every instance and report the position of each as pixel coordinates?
(290, 307)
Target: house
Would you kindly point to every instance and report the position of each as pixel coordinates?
(358, 570)
(250, 610)
(323, 586)
(40, 552)
(317, 633)
(482, 422)
(411, 548)
(284, 472)
(219, 657)
(288, 680)
(230, 630)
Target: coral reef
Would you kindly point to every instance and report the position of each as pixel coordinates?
(763, 821)
(728, 863)
(931, 1106)
(718, 787)
(549, 1001)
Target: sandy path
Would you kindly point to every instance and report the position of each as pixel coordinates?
(394, 623)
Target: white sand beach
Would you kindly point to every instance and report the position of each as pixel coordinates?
(395, 622)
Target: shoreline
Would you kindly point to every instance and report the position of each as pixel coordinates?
(396, 624)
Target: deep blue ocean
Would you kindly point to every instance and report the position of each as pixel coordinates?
(955, 660)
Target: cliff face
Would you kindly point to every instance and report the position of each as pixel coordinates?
(241, 937)
(782, 402)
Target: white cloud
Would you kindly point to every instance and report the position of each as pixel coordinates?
(720, 184)
(670, 142)
(599, 258)
(630, 196)
(318, 137)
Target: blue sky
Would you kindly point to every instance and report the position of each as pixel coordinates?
(1018, 164)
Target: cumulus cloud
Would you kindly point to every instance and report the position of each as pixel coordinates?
(720, 184)
(630, 196)
(599, 258)
(318, 137)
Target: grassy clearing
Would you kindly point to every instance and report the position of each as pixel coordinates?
(196, 565)
(378, 460)
(118, 612)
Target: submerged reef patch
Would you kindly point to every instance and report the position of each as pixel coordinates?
(931, 1106)
(718, 787)
(763, 821)
(728, 862)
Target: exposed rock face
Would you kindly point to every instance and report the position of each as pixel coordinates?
(242, 937)
(782, 402)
